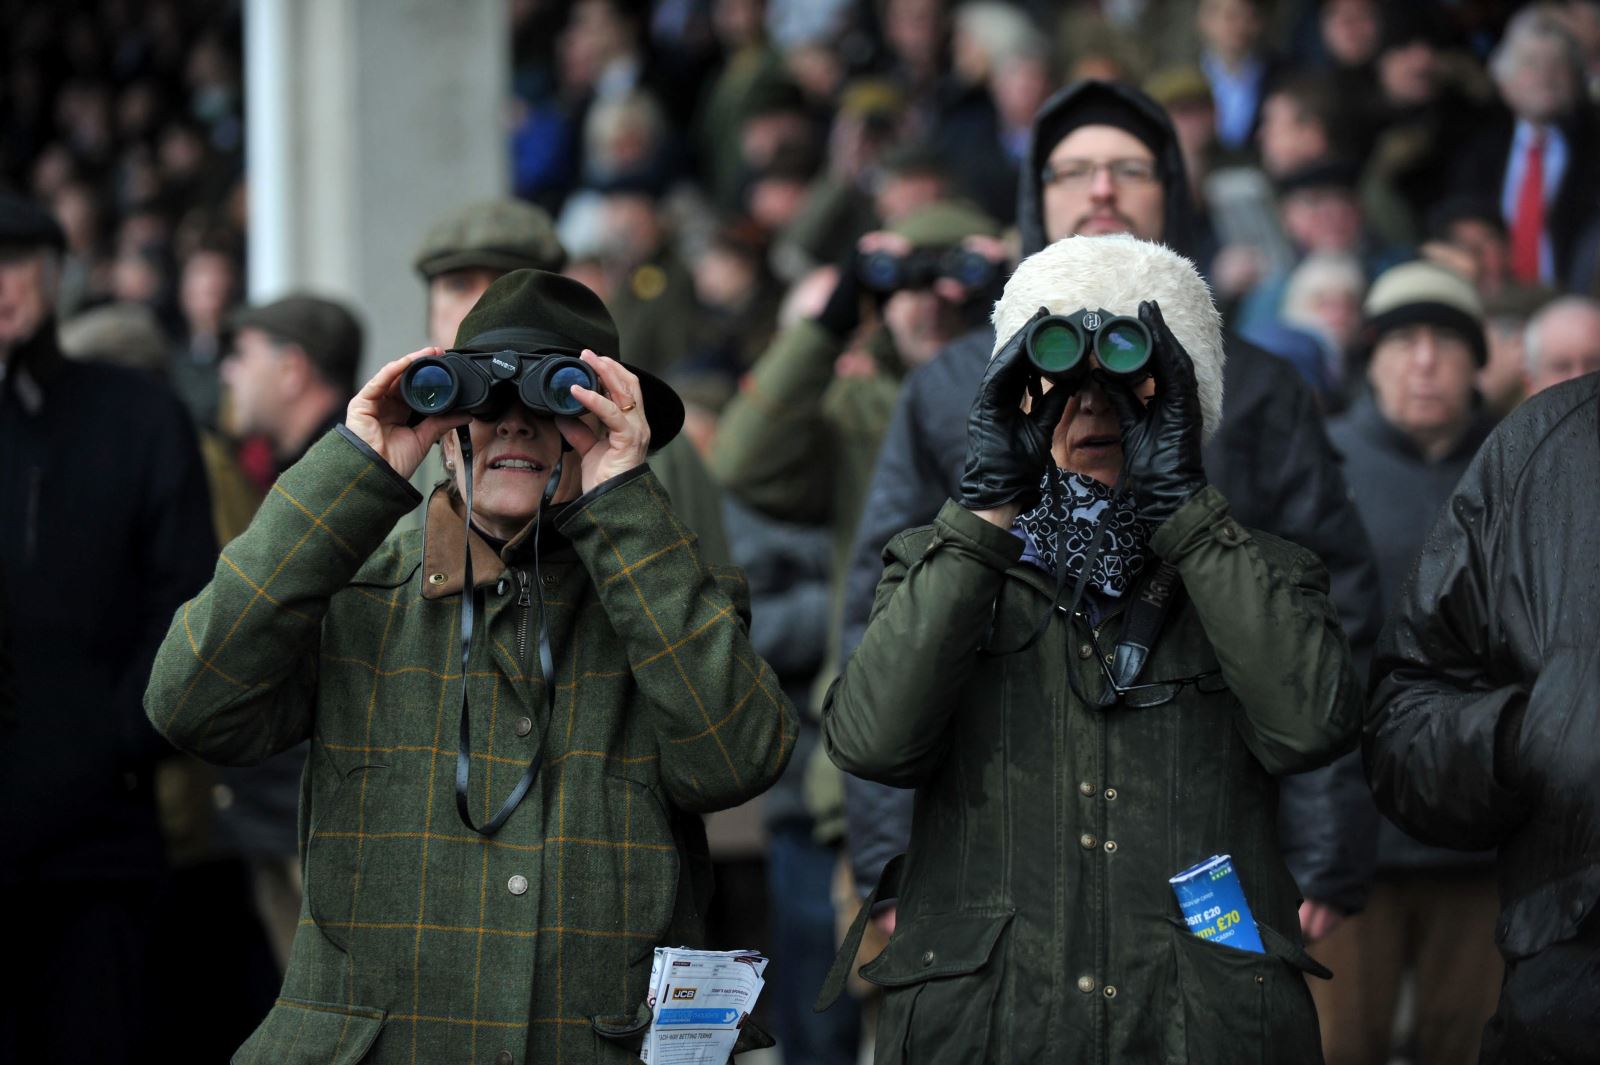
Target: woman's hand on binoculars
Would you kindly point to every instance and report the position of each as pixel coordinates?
(620, 409)
(1008, 448)
(1161, 460)
(379, 416)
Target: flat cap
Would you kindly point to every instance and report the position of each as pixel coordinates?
(492, 235)
(327, 332)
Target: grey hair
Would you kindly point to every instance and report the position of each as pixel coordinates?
(1541, 20)
(1533, 332)
(1001, 29)
(1114, 273)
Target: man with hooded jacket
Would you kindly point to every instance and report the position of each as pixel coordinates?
(1484, 724)
(1269, 455)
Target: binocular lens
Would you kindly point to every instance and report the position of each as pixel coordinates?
(559, 389)
(430, 388)
(1123, 347)
(1056, 348)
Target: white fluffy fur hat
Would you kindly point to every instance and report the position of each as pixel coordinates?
(1115, 273)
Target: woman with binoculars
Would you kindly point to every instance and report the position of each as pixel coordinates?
(1092, 676)
(517, 713)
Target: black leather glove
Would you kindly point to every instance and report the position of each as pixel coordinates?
(1008, 448)
(1161, 462)
(842, 313)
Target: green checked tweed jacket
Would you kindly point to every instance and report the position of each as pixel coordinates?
(421, 941)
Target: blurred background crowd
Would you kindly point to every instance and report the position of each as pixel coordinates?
(709, 167)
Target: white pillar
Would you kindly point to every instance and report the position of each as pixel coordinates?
(367, 120)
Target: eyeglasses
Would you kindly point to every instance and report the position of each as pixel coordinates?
(1078, 173)
(1155, 693)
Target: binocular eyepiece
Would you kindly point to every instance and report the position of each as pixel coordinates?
(1058, 347)
(482, 384)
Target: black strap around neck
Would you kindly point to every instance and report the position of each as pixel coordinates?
(471, 608)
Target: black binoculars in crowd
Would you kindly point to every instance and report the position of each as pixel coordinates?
(484, 384)
(883, 271)
(1058, 346)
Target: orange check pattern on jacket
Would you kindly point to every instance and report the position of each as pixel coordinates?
(421, 941)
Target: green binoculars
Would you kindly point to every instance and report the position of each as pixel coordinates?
(1058, 346)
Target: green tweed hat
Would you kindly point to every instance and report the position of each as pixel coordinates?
(536, 312)
(941, 224)
(492, 235)
(326, 331)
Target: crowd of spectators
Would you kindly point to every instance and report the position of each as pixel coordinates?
(712, 167)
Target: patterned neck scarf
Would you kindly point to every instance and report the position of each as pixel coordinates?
(1063, 526)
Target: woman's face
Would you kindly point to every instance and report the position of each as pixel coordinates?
(1088, 438)
(513, 457)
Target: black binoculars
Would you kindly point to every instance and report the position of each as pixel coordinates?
(1058, 346)
(483, 384)
(883, 271)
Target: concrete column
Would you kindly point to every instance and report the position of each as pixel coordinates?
(367, 119)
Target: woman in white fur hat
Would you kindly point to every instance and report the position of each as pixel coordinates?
(1093, 676)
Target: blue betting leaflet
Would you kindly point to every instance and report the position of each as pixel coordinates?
(1214, 906)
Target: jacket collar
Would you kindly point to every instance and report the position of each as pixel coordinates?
(444, 569)
(1368, 419)
(444, 557)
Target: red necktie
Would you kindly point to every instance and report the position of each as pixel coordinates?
(1527, 225)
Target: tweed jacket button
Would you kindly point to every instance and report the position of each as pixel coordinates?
(1085, 650)
(524, 726)
(1086, 788)
(437, 578)
(517, 885)
(504, 1058)
(1087, 842)
(1086, 984)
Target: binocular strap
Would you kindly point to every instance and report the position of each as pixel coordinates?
(472, 606)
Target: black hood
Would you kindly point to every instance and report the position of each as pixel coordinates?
(1047, 132)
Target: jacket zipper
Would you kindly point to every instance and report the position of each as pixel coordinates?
(524, 609)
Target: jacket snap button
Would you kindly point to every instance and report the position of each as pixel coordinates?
(1111, 846)
(1110, 991)
(1260, 979)
(1086, 984)
(1577, 909)
(927, 957)
(504, 1058)
(524, 726)
(1085, 651)
(1086, 788)
(1087, 841)
(437, 578)
(1111, 656)
(500, 586)
(1111, 793)
(517, 885)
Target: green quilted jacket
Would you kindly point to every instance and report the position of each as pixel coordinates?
(421, 941)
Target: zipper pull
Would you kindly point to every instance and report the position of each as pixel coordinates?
(524, 589)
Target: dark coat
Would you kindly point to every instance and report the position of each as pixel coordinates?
(421, 939)
(1399, 492)
(107, 529)
(1480, 172)
(1484, 725)
(1036, 922)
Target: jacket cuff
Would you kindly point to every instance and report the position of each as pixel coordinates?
(995, 547)
(393, 475)
(800, 365)
(1205, 518)
(617, 501)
